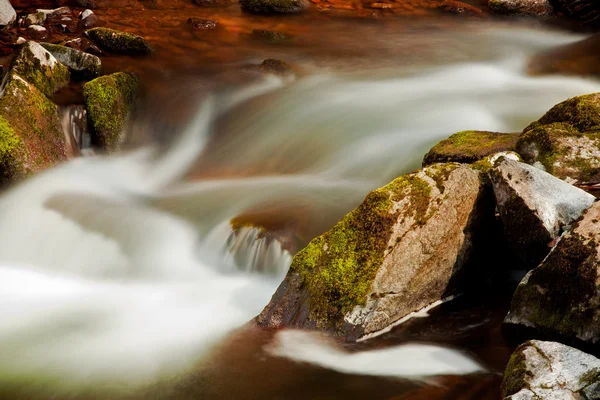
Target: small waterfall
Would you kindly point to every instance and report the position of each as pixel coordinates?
(75, 126)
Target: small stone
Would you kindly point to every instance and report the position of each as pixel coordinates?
(89, 19)
(83, 44)
(118, 42)
(274, 6)
(35, 19)
(276, 67)
(21, 40)
(270, 36)
(205, 3)
(37, 32)
(202, 24)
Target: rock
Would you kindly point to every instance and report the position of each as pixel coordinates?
(85, 45)
(38, 18)
(585, 11)
(89, 19)
(408, 245)
(270, 36)
(31, 138)
(459, 7)
(20, 41)
(37, 32)
(274, 6)
(109, 100)
(561, 297)
(7, 14)
(564, 142)
(538, 8)
(535, 207)
(580, 58)
(276, 67)
(81, 64)
(549, 370)
(202, 24)
(118, 42)
(205, 3)
(37, 66)
(469, 146)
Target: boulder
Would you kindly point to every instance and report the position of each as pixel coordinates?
(118, 42)
(585, 11)
(408, 245)
(561, 297)
(37, 66)
(522, 7)
(7, 14)
(549, 370)
(274, 6)
(535, 207)
(564, 142)
(81, 64)
(109, 100)
(31, 138)
(469, 146)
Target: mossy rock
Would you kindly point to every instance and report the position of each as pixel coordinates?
(469, 147)
(561, 297)
(31, 137)
(550, 370)
(409, 244)
(120, 42)
(274, 6)
(109, 100)
(565, 141)
(538, 8)
(82, 65)
(37, 66)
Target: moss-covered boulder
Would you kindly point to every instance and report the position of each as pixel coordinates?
(536, 8)
(115, 41)
(109, 100)
(37, 66)
(535, 207)
(31, 138)
(549, 370)
(82, 65)
(274, 6)
(566, 140)
(409, 244)
(561, 297)
(469, 146)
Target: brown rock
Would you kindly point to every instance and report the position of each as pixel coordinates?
(276, 67)
(202, 24)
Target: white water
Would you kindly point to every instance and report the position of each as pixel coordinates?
(112, 269)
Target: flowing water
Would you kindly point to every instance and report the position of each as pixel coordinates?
(122, 276)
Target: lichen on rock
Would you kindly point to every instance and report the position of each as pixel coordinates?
(109, 100)
(396, 253)
(469, 147)
(40, 68)
(120, 42)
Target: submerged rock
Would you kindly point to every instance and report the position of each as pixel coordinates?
(118, 42)
(549, 370)
(82, 64)
(202, 24)
(270, 36)
(469, 146)
(522, 7)
(561, 297)
(276, 67)
(109, 100)
(31, 138)
(36, 65)
(409, 244)
(565, 141)
(7, 14)
(274, 6)
(535, 207)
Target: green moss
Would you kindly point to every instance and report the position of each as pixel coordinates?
(339, 267)
(516, 374)
(118, 42)
(582, 113)
(273, 6)
(469, 147)
(10, 146)
(47, 78)
(109, 100)
(82, 65)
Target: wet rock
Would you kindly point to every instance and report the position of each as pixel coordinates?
(202, 24)
(118, 42)
(109, 101)
(408, 245)
(7, 14)
(580, 58)
(459, 7)
(37, 66)
(522, 7)
(31, 138)
(85, 45)
(469, 146)
(270, 36)
(564, 142)
(205, 3)
(83, 65)
(535, 207)
(276, 67)
(585, 11)
(37, 32)
(89, 19)
(274, 6)
(549, 370)
(561, 297)
(38, 18)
